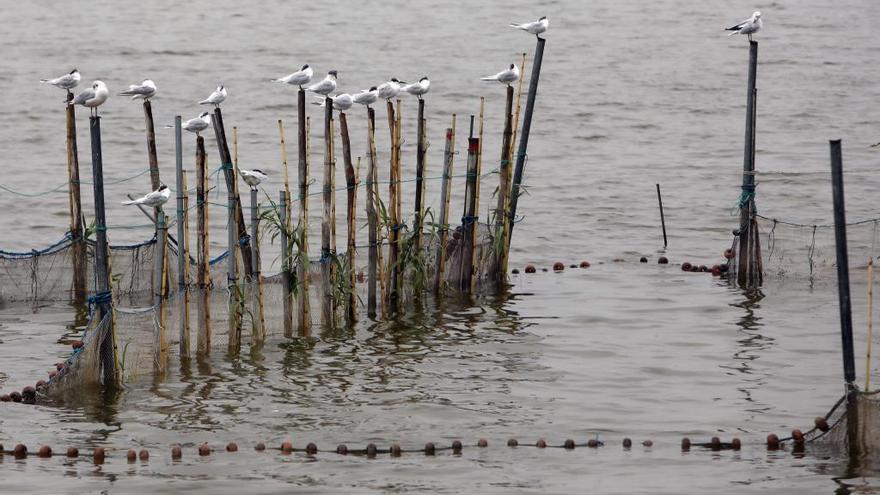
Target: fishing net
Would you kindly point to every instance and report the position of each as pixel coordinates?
(854, 424)
(83, 367)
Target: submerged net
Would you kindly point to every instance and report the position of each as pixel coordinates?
(854, 424)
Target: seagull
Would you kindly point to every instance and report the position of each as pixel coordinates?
(144, 90)
(326, 85)
(366, 97)
(536, 27)
(341, 102)
(196, 124)
(388, 90)
(216, 98)
(92, 97)
(506, 76)
(67, 81)
(253, 177)
(298, 78)
(748, 27)
(155, 199)
(418, 89)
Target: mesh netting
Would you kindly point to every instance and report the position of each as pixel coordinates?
(83, 367)
(854, 424)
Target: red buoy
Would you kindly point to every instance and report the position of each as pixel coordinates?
(569, 444)
(144, 455)
(260, 446)
(342, 449)
(482, 443)
(686, 267)
(648, 443)
(176, 452)
(530, 269)
(72, 452)
(99, 455)
(797, 435)
(512, 442)
(663, 260)
(456, 447)
(728, 253)
(429, 448)
(372, 450)
(736, 443)
(19, 451)
(131, 455)
(627, 443)
(232, 447)
(204, 450)
(821, 423)
(286, 447)
(45, 451)
(772, 442)
(715, 443)
(685, 444)
(558, 266)
(593, 443)
(311, 448)
(541, 443)
(585, 264)
(395, 450)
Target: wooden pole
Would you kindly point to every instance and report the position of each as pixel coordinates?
(870, 324)
(519, 88)
(746, 275)
(326, 259)
(151, 145)
(421, 153)
(469, 220)
(204, 308)
(183, 253)
(286, 261)
(239, 226)
(662, 216)
(524, 138)
(849, 370)
(504, 177)
(393, 214)
(351, 183)
(475, 234)
(304, 267)
(448, 159)
(232, 242)
(80, 262)
(259, 323)
(284, 157)
(161, 344)
(372, 215)
(109, 364)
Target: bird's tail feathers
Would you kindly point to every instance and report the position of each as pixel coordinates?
(44, 81)
(516, 26)
(488, 78)
(126, 203)
(205, 102)
(169, 126)
(735, 31)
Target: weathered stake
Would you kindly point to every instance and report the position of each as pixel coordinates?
(421, 153)
(393, 214)
(372, 215)
(326, 258)
(351, 182)
(286, 262)
(304, 266)
(849, 369)
(203, 341)
(475, 212)
(524, 138)
(109, 364)
(504, 178)
(259, 320)
(183, 253)
(80, 270)
(870, 324)
(448, 159)
(748, 275)
(159, 275)
(469, 219)
(662, 216)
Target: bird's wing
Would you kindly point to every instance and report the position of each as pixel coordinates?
(738, 26)
(85, 96)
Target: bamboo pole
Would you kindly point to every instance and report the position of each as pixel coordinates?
(448, 159)
(504, 178)
(284, 156)
(422, 149)
(870, 324)
(468, 221)
(351, 183)
(259, 320)
(304, 266)
(326, 259)
(232, 241)
(524, 138)
(203, 341)
(393, 214)
(475, 232)
(372, 215)
(160, 346)
(80, 262)
(519, 88)
(109, 362)
(183, 253)
(286, 269)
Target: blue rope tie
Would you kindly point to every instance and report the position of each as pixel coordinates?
(467, 219)
(244, 240)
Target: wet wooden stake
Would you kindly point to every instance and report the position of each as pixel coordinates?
(662, 216)
(849, 370)
(351, 183)
(232, 285)
(393, 214)
(109, 363)
(372, 215)
(421, 153)
(748, 274)
(159, 274)
(183, 253)
(503, 206)
(239, 226)
(286, 261)
(80, 262)
(448, 159)
(203, 340)
(259, 319)
(326, 259)
(469, 220)
(475, 231)
(304, 266)
(870, 324)
(524, 139)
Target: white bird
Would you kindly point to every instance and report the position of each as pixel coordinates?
(388, 90)
(253, 177)
(144, 90)
(216, 98)
(196, 124)
(324, 86)
(156, 198)
(748, 27)
(418, 89)
(67, 81)
(366, 97)
(92, 97)
(341, 102)
(536, 27)
(298, 78)
(506, 76)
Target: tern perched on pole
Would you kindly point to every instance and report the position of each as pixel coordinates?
(154, 199)
(324, 86)
(298, 78)
(217, 97)
(67, 81)
(418, 89)
(535, 27)
(748, 27)
(144, 90)
(507, 76)
(389, 90)
(196, 124)
(253, 177)
(366, 97)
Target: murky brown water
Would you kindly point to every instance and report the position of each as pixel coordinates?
(632, 94)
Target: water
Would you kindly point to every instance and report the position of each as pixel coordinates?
(632, 94)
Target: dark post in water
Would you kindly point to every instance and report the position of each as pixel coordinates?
(849, 368)
(662, 216)
(109, 372)
(80, 271)
(749, 264)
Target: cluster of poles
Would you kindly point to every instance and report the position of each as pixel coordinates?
(385, 278)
